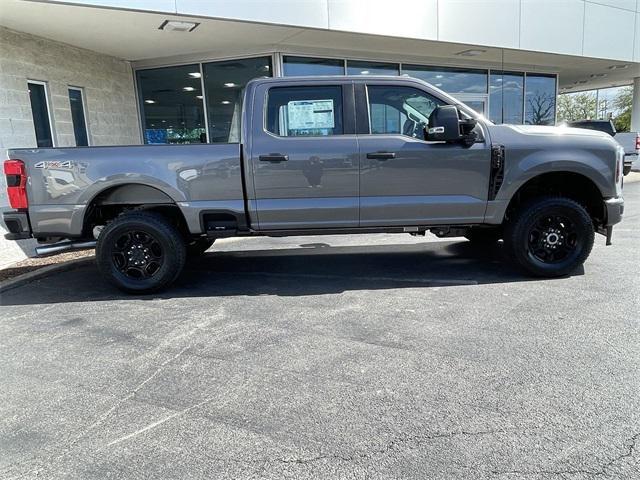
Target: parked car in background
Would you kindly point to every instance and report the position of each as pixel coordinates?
(630, 141)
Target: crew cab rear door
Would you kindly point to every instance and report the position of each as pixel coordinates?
(405, 180)
(304, 155)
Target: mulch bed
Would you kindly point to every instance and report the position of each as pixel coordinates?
(31, 264)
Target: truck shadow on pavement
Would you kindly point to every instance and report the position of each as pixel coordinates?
(312, 269)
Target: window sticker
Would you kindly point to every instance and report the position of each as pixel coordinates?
(309, 114)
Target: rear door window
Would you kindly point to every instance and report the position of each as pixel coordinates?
(308, 111)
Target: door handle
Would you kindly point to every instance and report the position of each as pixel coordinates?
(381, 155)
(273, 157)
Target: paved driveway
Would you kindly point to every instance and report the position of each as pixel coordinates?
(329, 357)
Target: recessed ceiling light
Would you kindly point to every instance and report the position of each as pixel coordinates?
(164, 121)
(474, 52)
(619, 67)
(438, 84)
(177, 26)
(149, 101)
(598, 75)
(199, 97)
(364, 72)
(188, 89)
(225, 102)
(195, 74)
(439, 76)
(229, 84)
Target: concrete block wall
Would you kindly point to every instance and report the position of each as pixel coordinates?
(108, 86)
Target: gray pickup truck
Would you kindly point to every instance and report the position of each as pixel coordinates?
(324, 155)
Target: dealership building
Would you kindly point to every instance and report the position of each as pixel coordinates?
(77, 73)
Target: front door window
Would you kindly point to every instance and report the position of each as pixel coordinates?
(478, 106)
(400, 110)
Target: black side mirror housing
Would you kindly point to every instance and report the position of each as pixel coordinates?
(445, 125)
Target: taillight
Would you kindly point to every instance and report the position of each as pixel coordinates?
(16, 177)
(638, 142)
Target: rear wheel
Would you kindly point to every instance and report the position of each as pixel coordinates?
(140, 252)
(550, 236)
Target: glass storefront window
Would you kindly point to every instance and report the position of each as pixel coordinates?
(506, 94)
(224, 84)
(540, 100)
(40, 113)
(451, 80)
(357, 67)
(302, 66)
(76, 103)
(171, 104)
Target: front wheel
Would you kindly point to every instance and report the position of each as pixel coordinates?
(550, 236)
(140, 252)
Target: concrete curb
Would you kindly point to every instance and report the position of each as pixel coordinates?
(29, 277)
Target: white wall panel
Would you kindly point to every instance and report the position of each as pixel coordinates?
(552, 26)
(404, 18)
(608, 32)
(627, 4)
(488, 22)
(306, 13)
(636, 53)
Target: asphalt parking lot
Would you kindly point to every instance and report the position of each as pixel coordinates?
(330, 357)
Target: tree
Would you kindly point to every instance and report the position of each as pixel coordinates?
(577, 106)
(622, 103)
(540, 109)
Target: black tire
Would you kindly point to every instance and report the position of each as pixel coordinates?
(198, 246)
(140, 252)
(550, 236)
(484, 236)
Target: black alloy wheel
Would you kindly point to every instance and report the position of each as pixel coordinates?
(140, 252)
(549, 236)
(137, 254)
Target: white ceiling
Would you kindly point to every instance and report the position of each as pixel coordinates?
(135, 36)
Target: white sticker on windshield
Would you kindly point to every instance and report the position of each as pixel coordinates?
(306, 114)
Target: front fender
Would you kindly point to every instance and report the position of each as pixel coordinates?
(520, 169)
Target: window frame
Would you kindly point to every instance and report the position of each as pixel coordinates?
(83, 101)
(347, 112)
(47, 100)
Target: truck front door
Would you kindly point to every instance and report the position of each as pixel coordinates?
(304, 156)
(405, 180)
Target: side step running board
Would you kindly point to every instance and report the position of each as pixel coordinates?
(55, 248)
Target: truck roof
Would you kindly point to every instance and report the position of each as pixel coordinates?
(338, 78)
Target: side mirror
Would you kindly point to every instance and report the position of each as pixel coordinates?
(445, 125)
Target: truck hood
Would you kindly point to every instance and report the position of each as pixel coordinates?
(555, 131)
